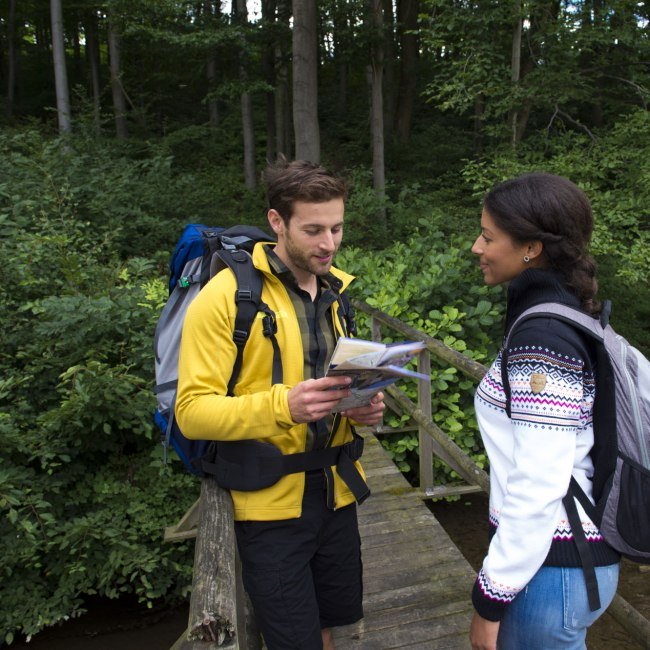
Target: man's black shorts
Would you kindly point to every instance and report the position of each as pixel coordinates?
(303, 574)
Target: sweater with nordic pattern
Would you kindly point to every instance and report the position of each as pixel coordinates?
(533, 453)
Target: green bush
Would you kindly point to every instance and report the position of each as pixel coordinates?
(84, 496)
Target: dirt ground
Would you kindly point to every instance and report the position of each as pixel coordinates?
(123, 625)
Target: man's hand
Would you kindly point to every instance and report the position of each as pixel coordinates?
(313, 399)
(370, 414)
(483, 633)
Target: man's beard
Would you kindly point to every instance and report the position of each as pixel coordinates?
(305, 262)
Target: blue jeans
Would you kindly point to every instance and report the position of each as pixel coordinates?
(552, 611)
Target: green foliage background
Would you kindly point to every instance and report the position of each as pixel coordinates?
(86, 230)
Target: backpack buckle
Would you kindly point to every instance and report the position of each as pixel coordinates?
(354, 448)
(239, 336)
(243, 294)
(269, 325)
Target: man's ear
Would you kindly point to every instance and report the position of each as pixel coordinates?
(275, 221)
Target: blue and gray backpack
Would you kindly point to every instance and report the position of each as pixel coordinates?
(200, 253)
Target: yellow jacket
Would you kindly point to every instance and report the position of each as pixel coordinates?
(258, 410)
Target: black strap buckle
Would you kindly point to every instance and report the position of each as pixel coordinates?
(240, 337)
(269, 325)
(243, 294)
(354, 448)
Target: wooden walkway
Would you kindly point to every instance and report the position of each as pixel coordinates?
(417, 584)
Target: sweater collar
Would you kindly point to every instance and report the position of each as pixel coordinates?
(533, 287)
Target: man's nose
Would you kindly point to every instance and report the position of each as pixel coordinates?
(327, 241)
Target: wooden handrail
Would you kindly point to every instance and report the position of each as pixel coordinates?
(469, 367)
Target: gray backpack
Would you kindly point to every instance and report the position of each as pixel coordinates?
(621, 452)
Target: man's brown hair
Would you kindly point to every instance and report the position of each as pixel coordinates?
(300, 180)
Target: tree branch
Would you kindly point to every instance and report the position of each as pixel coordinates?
(568, 118)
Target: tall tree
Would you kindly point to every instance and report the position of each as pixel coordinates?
(268, 66)
(282, 96)
(390, 61)
(11, 58)
(117, 88)
(60, 70)
(305, 80)
(248, 130)
(210, 11)
(515, 65)
(93, 59)
(377, 106)
(407, 20)
(342, 20)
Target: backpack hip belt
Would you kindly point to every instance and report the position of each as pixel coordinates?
(248, 465)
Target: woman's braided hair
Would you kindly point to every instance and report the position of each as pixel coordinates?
(551, 209)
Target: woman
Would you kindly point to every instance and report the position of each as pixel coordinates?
(530, 593)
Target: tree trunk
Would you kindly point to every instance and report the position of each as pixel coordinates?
(11, 59)
(211, 71)
(479, 109)
(341, 55)
(305, 81)
(213, 104)
(282, 103)
(119, 99)
(92, 54)
(268, 66)
(60, 71)
(515, 67)
(377, 108)
(248, 131)
(390, 50)
(407, 18)
(77, 68)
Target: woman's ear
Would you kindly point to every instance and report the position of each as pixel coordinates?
(534, 250)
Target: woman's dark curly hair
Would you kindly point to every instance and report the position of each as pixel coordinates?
(551, 209)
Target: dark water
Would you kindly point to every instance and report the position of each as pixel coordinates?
(123, 625)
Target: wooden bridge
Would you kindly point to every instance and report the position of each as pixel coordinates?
(417, 584)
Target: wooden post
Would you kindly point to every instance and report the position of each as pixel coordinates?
(462, 463)
(218, 614)
(424, 439)
(375, 329)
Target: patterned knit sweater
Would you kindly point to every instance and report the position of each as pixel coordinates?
(534, 453)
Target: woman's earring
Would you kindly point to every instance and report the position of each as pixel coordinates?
(526, 259)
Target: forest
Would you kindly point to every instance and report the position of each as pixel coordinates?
(123, 120)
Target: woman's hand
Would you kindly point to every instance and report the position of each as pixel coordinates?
(483, 633)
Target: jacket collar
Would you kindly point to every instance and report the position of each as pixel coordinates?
(533, 287)
(337, 279)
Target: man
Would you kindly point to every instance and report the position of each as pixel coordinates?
(298, 538)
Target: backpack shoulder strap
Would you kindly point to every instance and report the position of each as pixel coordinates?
(593, 327)
(248, 298)
(347, 311)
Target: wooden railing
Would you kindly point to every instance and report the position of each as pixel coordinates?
(220, 615)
